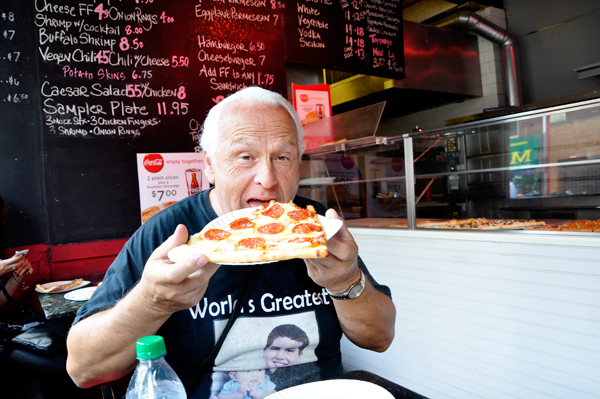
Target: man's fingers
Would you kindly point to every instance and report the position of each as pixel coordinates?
(189, 267)
(179, 237)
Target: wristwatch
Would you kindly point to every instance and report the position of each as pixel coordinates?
(353, 292)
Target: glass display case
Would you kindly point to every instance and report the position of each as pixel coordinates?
(541, 164)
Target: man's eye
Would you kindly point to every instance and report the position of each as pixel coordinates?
(283, 158)
(245, 157)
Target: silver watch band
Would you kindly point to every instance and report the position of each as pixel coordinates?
(353, 292)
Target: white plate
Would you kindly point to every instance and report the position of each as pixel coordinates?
(330, 226)
(82, 294)
(334, 389)
(55, 283)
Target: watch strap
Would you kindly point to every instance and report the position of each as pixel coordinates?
(346, 295)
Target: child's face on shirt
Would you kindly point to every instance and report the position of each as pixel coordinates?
(252, 377)
(283, 352)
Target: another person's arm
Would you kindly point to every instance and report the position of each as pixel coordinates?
(18, 267)
(368, 321)
(102, 347)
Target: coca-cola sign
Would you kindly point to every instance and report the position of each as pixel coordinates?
(153, 163)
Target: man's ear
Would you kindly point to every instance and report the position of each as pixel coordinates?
(210, 169)
(232, 376)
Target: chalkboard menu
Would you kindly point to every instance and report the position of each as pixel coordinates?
(21, 184)
(362, 36)
(116, 78)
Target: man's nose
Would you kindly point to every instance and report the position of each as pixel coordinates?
(265, 175)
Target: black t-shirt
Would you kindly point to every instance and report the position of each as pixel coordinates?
(282, 295)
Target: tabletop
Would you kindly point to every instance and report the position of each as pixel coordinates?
(56, 305)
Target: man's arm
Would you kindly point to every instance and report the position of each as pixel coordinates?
(102, 347)
(368, 321)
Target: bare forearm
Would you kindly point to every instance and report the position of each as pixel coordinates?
(11, 287)
(368, 321)
(102, 347)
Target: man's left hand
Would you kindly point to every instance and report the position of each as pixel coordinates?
(339, 270)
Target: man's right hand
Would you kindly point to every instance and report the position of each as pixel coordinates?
(101, 347)
(170, 287)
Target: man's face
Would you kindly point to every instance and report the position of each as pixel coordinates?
(256, 160)
(283, 352)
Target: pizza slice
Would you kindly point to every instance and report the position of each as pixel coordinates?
(58, 288)
(271, 232)
(480, 224)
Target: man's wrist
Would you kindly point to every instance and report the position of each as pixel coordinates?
(345, 288)
(354, 290)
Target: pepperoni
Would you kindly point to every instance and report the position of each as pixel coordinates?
(241, 223)
(271, 228)
(252, 242)
(305, 228)
(216, 234)
(275, 211)
(300, 214)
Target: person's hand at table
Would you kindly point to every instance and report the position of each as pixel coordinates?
(22, 269)
(18, 267)
(17, 264)
(368, 321)
(164, 289)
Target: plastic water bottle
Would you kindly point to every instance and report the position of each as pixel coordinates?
(153, 378)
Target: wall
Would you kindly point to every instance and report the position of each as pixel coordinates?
(554, 38)
(487, 315)
(492, 77)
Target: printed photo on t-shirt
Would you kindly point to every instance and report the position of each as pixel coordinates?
(263, 355)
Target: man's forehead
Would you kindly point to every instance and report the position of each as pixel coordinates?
(286, 342)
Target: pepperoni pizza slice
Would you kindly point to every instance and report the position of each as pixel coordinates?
(271, 232)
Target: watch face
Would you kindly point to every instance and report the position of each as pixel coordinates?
(356, 291)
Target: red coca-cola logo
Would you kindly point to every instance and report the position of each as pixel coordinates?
(397, 164)
(153, 163)
(304, 97)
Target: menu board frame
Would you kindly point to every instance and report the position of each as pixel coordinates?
(361, 36)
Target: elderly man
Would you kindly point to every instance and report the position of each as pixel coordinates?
(253, 143)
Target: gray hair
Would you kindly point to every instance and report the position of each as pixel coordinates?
(251, 96)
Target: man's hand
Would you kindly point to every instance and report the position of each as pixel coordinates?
(170, 287)
(368, 321)
(339, 269)
(102, 347)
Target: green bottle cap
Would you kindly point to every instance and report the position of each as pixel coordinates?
(150, 347)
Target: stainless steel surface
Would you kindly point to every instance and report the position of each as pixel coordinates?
(442, 66)
(486, 29)
(588, 71)
(514, 117)
(411, 213)
(440, 60)
(509, 168)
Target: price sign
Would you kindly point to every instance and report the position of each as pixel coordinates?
(167, 178)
